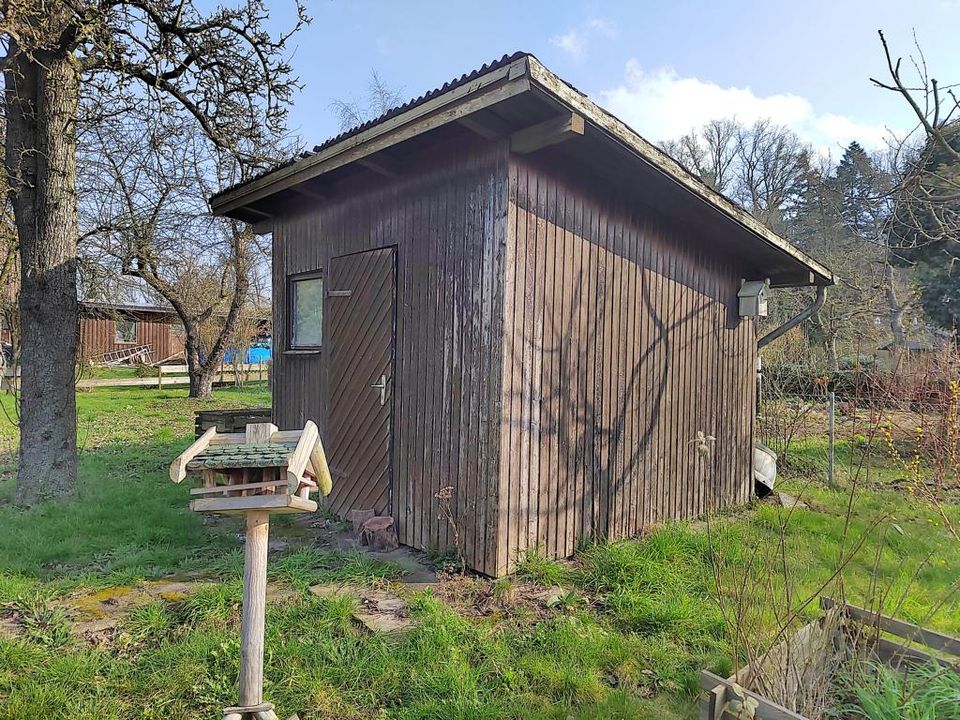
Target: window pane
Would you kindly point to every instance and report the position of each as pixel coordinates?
(307, 312)
(126, 331)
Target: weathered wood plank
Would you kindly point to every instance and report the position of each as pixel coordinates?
(549, 132)
(766, 709)
(900, 628)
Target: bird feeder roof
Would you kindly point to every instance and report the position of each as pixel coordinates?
(242, 455)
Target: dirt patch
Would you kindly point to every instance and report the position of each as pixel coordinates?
(104, 610)
(378, 609)
(96, 616)
(9, 627)
(333, 534)
(507, 598)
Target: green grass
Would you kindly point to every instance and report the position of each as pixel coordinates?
(637, 623)
(928, 692)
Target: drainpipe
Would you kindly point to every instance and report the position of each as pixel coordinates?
(763, 457)
(807, 312)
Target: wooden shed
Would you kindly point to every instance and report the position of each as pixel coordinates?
(111, 331)
(499, 299)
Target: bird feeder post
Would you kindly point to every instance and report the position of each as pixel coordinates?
(290, 464)
(254, 607)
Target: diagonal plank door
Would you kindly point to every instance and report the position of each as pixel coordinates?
(360, 306)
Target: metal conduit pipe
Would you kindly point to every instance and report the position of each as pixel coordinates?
(807, 312)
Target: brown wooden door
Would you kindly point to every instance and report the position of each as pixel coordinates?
(360, 302)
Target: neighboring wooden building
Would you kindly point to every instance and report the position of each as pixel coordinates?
(500, 298)
(107, 329)
(916, 358)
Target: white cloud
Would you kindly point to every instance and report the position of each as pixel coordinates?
(662, 105)
(602, 26)
(576, 41)
(572, 43)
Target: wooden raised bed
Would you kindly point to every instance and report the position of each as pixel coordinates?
(229, 421)
(840, 631)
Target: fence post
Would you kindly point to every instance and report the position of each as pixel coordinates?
(831, 413)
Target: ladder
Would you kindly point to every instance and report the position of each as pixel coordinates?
(139, 353)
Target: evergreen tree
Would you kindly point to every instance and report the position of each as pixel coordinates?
(859, 188)
(925, 228)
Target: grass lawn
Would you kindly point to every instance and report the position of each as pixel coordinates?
(636, 622)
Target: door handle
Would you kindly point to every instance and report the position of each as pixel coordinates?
(381, 385)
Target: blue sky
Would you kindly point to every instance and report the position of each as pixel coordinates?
(663, 67)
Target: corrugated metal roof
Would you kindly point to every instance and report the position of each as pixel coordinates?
(94, 305)
(392, 112)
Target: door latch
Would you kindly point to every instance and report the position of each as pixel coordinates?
(381, 385)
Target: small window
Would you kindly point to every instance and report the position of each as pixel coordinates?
(126, 331)
(306, 312)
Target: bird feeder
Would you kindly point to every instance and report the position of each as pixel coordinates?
(254, 473)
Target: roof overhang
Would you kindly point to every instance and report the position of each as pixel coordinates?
(492, 103)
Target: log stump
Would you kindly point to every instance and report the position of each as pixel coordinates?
(380, 534)
(358, 518)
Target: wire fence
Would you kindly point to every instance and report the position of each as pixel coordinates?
(864, 427)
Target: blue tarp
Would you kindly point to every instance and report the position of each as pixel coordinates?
(257, 354)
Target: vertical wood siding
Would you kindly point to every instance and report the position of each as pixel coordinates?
(98, 335)
(448, 223)
(621, 342)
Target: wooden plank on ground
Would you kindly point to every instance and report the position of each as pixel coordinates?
(908, 631)
(766, 709)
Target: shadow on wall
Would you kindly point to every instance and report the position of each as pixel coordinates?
(611, 377)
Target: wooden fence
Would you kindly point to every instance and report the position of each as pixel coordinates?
(858, 628)
(166, 376)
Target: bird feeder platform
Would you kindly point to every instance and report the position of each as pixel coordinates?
(256, 473)
(262, 468)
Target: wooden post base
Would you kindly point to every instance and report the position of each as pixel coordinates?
(263, 711)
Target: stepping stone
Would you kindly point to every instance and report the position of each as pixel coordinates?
(392, 605)
(790, 502)
(551, 596)
(384, 622)
(327, 590)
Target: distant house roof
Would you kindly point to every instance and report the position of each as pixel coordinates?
(933, 338)
(908, 345)
(517, 93)
(91, 306)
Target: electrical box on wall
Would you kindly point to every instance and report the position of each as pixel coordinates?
(753, 298)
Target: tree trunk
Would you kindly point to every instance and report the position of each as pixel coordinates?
(42, 94)
(201, 374)
(896, 309)
(201, 383)
(832, 352)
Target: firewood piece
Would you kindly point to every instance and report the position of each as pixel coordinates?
(380, 534)
(358, 518)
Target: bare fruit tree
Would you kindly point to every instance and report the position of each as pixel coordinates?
(378, 99)
(924, 228)
(145, 186)
(67, 65)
